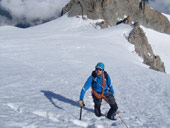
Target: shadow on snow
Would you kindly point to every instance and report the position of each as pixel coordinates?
(50, 96)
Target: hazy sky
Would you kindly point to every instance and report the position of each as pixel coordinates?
(33, 9)
(161, 5)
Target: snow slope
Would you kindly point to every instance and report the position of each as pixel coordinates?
(43, 68)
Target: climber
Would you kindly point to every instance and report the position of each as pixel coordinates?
(100, 83)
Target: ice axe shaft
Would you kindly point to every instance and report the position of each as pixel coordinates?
(80, 112)
(81, 107)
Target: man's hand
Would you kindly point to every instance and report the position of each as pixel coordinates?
(81, 103)
(114, 95)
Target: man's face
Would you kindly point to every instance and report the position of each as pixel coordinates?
(99, 71)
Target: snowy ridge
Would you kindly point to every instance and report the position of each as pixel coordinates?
(64, 24)
(43, 69)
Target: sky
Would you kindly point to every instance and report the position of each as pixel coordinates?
(161, 5)
(34, 9)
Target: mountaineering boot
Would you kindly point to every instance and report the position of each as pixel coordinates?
(111, 116)
(97, 111)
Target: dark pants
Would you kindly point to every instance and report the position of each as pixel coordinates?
(110, 100)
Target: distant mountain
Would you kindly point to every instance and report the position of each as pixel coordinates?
(5, 13)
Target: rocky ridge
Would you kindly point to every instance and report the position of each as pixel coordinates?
(144, 50)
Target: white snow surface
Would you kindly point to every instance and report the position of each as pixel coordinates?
(43, 68)
(168, 16)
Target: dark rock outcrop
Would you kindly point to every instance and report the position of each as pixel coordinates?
(143, 49)
(112, 11)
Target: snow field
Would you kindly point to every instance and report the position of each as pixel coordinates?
(43, 69)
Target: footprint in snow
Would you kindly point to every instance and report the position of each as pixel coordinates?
(15, 107)
(47, 115)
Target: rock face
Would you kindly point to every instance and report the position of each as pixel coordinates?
(143, 48)
(112, 11)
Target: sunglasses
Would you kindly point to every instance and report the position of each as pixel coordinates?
(99, 69)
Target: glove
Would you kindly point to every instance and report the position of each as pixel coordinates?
(81, 103)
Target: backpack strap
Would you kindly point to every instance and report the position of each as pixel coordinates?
(105, 76)
(93, 76)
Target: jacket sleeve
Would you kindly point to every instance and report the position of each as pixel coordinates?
(110, 85)
(86, 86)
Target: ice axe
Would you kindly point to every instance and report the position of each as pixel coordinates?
(81, 107)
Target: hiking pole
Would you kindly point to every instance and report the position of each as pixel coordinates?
(81, 111)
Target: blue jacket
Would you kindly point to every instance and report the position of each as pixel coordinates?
(96, 86)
